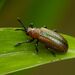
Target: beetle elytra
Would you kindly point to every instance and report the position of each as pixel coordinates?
(49, 38)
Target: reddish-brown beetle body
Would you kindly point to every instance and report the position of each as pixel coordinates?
(51, 39)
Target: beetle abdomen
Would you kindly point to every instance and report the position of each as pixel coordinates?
(54, 41)
(54, 44)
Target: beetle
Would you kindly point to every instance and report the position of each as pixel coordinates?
(51, 39)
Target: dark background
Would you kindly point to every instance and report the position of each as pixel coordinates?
(56, 14)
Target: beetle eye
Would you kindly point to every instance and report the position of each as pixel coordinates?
(31, 25)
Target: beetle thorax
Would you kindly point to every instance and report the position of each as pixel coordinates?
(33, 32)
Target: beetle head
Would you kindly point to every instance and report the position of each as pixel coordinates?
(29, 30)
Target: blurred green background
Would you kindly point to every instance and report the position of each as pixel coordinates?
(56, 14)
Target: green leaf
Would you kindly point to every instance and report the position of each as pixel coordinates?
(23, 57)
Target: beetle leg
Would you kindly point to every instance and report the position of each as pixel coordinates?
(55, 30)
(19, 29)
(36, 46)
(45, 26)
(28, 41)
(52, 51)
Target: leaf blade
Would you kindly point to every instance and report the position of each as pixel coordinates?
(23, 57)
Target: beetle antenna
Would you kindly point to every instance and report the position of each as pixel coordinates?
(21, 24)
